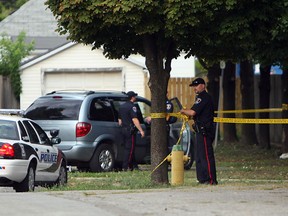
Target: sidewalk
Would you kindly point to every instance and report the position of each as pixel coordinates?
(206, 200)
(201, 200)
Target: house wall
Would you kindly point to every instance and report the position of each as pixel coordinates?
(77, 56)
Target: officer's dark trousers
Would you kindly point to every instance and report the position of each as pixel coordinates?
(129, 149)
(205, 160)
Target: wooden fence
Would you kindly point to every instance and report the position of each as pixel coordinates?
(177, 87)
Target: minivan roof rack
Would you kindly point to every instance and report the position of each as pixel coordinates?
(85, 92)
(17, 112)
(77, 91)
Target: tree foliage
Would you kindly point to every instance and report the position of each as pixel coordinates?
(11, 55)
(159, 30)
(9, 6)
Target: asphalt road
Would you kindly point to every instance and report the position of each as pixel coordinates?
(203, 200)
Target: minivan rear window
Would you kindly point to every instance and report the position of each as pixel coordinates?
(54, 109)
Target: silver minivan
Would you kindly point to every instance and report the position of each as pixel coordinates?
(88, 127)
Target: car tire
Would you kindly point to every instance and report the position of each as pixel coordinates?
(191, 156)
(189, 163)
(103, 159)
(62, 179)
(28, 184)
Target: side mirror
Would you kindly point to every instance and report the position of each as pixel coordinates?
(54, 133)
(55, 140)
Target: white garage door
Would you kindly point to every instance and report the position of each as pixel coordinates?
(108, 80)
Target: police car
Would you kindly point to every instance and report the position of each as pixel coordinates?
(28, 157)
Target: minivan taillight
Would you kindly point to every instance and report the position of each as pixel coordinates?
(82, 129)
(7, 150)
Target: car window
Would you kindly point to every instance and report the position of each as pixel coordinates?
(116, 105)
(101, 110)
(177, 106)
(8, 130)
(23, 132)
(32, 133)
(143, 109)
(54, 109)
(43, 136)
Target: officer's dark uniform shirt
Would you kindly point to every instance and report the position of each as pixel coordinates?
(204, 108)
(127, 112)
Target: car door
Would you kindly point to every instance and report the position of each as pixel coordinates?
(43, 149)
(142, 146)
(49, 155)
(102, 116)
(175, 129)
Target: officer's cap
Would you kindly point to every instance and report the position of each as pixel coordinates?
(197, 81)
(131, 94)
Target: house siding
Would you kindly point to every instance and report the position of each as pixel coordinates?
(81, 57)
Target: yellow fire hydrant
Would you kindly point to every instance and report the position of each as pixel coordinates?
(177, 159)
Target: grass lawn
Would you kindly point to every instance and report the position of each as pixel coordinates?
(236, 164)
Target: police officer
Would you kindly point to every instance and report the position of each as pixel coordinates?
(203, 113)
(130, 124)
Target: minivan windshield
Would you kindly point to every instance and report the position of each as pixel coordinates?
(54, 109)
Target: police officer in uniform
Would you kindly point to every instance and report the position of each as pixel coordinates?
(203, 113)
(130, 124)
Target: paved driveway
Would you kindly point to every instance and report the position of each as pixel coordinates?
(203, 200)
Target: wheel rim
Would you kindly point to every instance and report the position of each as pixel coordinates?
(105, 159)
(31, 180)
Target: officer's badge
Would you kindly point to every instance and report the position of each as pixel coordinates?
(134, 109)
(198, 100)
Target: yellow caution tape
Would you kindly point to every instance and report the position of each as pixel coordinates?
(166, 158)
(250, 121)
(251, 110)
(179, 115)
(284, 107)
(158, 115)
(164, 115)
(184, 118)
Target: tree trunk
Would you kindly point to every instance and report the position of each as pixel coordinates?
(229, 98)
(285, 109)
(248, 135)
(214, 73)
(264, 102)
(159, 77)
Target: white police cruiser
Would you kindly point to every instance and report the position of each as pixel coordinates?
(27, 155)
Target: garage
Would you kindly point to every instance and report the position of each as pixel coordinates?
(76, 67)
(82, 79)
